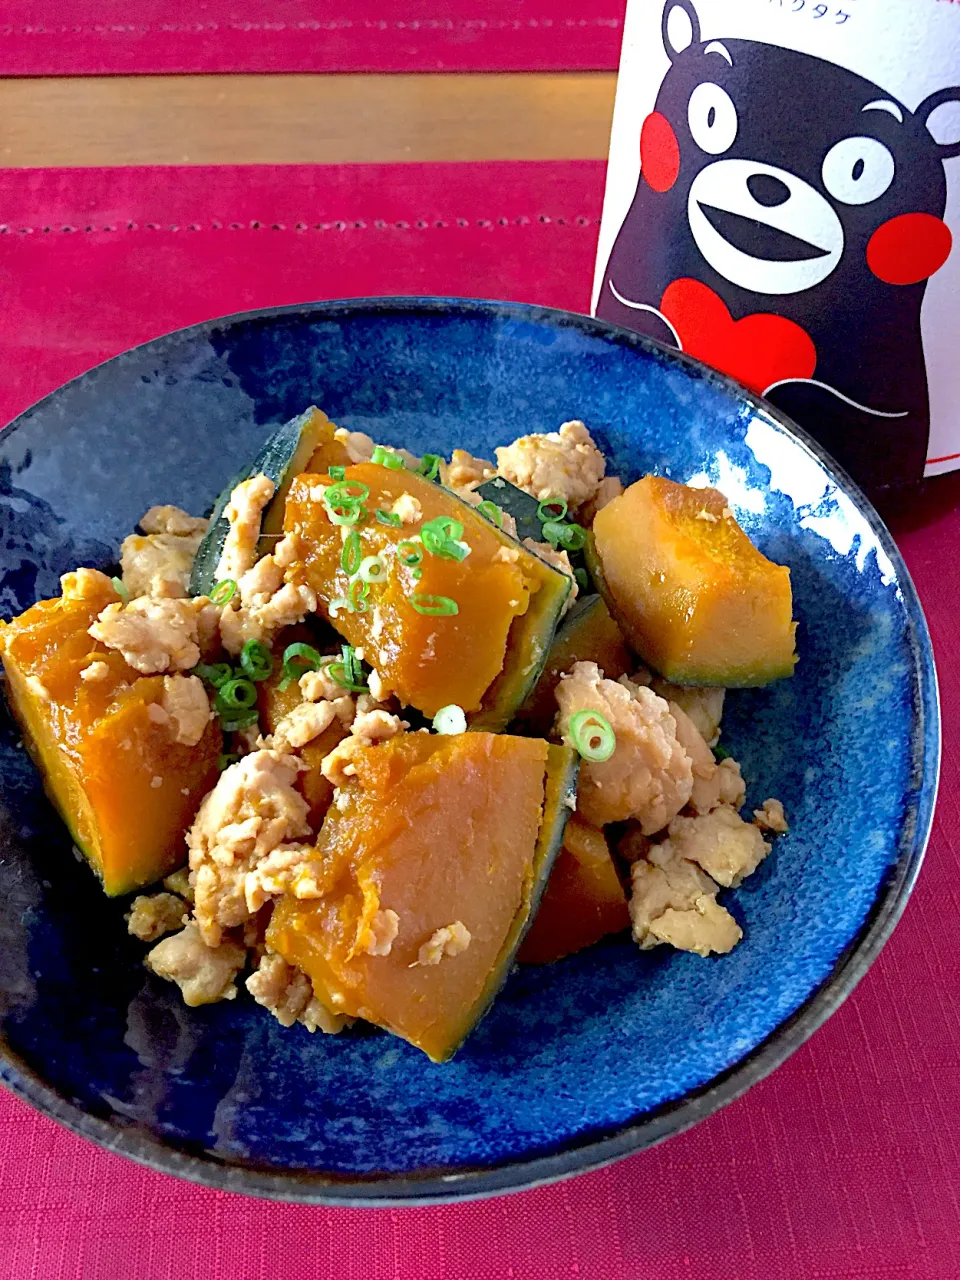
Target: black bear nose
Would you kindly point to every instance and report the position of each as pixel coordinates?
(768, 190)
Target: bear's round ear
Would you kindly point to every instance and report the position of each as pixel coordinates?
(680, 27)
(940, 115)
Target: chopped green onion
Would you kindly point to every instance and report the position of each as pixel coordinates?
(441, 538)
(572, 537)
(347, 672)
(338, 604)
(545, 510)
(592, 736)
(388, 517)
(216, 675)
(223, 592)
(351, 662)
(435, 606)
(344, 501)
(430, 465)
(346, 493)
(227, 759)
(409, 553)
(357, 595)
(492, 512)
(443, 527)
(347, 515)
(236, 694)
(384, 457)
(416, 574)
(450, 720)
(121, 590)
(255, 660)
(583, 582)
(297, 660)
(372, 569)
(352, 553)
(721, 753)
(239, 720)
(336, 473)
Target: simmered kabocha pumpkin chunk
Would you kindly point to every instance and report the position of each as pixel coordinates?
(432, 864)
(692, 594)
(467, 621)
(106, 749)
(583, 901)
(588, 634)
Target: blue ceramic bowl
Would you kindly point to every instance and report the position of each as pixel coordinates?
(579, 1062)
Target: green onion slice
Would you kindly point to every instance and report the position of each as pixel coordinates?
(255, 660)
(592, 736)
(430, 465)
(297, 660)
(346, 493)
(372, 569)
(238, 720)
(435, 606)
(347, 515)
(384, 457)
(721, 753)
(575, 537)
(357, 595)
(441, 537)
(352, 553)
(583, 582)
(571, 537)
(237, 694)
(388, 517)
(223, 592)
(450, 720)
(227, 759)
(492, 512)
(336, 473)
(347, 672)
(338, 604)
(417, 573)
(409, 553)
(121, 590)
(552, 509)
(216, 675)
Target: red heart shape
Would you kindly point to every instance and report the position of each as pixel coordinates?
(758, 350)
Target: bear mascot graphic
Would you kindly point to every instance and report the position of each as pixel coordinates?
(787, 218)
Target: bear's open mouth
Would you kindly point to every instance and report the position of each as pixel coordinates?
(759, 239)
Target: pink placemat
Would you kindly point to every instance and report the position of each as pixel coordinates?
(844, 1163)
(117, 37)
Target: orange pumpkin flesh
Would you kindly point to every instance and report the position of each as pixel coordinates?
(97, 748)
(437, 829)
(583, 901)
(693, 596)
(428, 661)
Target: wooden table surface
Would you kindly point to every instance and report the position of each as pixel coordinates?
(289, 119)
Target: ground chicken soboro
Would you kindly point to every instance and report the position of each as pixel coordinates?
(649, 777)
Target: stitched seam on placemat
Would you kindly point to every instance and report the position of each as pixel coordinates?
(331, 24)
(375, 224)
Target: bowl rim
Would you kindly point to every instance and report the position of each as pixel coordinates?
(593, 1150)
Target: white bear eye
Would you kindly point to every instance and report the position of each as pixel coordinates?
(857, 170)
(712, 118)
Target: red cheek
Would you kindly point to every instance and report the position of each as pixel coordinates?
(659, 152)
(909, 248)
